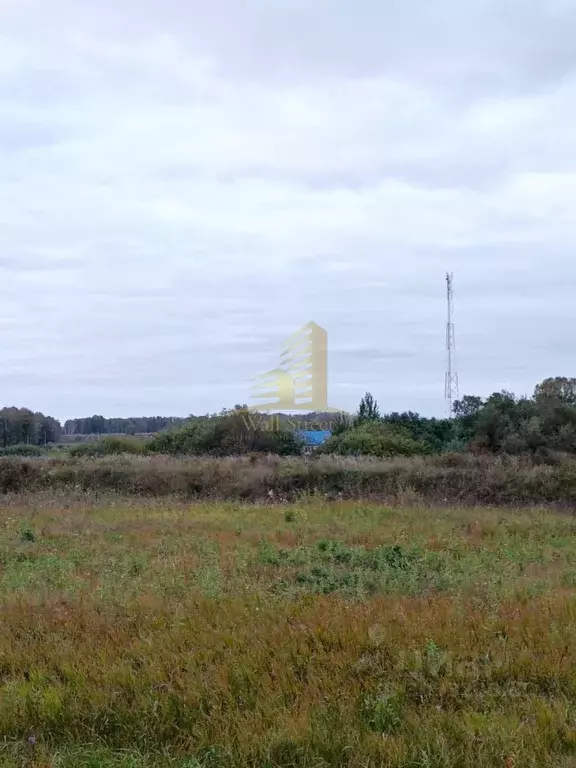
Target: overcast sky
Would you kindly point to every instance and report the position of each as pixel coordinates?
(184, 184)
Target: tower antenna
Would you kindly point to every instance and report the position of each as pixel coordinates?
(452, 391)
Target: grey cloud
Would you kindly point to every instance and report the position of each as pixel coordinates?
(368, 354)
(182, 190)
(43, 86)
(478, 46)
(465, 171)
(23, 135)
(482, 46)
(28, 262)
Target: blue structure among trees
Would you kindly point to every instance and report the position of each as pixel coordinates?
(313, 438)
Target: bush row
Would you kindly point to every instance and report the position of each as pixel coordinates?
(448, 478)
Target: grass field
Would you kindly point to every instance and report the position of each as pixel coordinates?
(152, 633)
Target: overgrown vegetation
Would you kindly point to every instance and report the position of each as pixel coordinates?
(231, 434)
(445, 479)
(304, 630)
(22, 450)
(375, 438)
(109, 446)
(314, 635)
(541, 426)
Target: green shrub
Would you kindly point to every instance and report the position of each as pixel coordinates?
(22, 450)
(232, 434)
(382, 713)
(190, 440)
(109, 446)
(374, 438)
(19, 474)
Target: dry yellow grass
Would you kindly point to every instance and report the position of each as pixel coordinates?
(152, 634)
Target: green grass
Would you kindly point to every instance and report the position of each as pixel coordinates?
(148, 633)
(123, 549)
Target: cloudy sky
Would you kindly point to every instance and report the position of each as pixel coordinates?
(184, 184)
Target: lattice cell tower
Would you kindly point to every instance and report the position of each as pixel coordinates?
(452, 391)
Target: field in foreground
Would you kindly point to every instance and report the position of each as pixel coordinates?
(140, 633)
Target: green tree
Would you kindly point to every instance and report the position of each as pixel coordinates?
(340, 423)
(20, 426)
(468, 407)
(368, 410)
(559, 389)
(436, 434)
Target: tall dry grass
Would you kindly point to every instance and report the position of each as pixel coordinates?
(453, 478)
(400, 683)
(156, 632)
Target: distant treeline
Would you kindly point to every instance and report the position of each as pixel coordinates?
(149, 425)
(99, 425)
(540, 425)
(20, 426)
